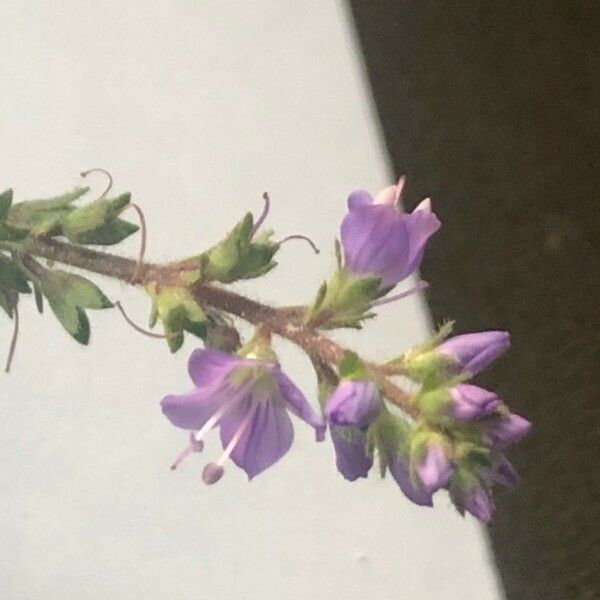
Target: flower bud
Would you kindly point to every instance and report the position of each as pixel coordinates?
(473, 352)
(507, 429)
(430, 461)
(356, 403)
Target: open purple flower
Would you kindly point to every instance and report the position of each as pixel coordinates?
(470, 402)
(380, 241)
(473, 352)
(249, 399)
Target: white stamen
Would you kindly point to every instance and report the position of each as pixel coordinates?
(197, 440)
(237, 436)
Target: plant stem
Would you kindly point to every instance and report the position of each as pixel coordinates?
(284, 322)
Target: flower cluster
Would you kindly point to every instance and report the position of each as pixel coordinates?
(456, 433)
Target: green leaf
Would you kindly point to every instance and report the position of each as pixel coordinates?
(11, 277)
(81, 291)
(112, 232)
(8, 301)
(72, 318)
(5, 202)
(68, 295)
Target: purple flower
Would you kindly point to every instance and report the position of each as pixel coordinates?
(471, 402)
(400, 469)
(475, 351)
(354, 402)
(478, 502)
(433, 467)
(380, 241)
(502, 472)
(506, 430)
(352, 459)
(249, 400)
(469, 493)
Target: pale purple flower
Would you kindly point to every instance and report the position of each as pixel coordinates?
(249, 400)
(472, 494)
(473, 352)
(433, 467)
(354, 402)
(351, 457)
(471, 402)
(478, 502)
(380, 241)
(399, 467)
(502, 472)
(506, 430)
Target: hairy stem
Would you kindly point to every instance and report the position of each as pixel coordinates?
(282, 321)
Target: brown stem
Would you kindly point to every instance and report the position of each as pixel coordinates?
(13, 341)
(284, 322)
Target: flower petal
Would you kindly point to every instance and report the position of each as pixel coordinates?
(351, 458)
(208, 366)
(265, 440)
(354, 403)
(475, 351)
(375, 241)
(192, 410)
(298, 404)
(359, 198)
(421, 224)
(400, 470)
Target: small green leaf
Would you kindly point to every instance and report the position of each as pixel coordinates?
(68, 295)
(81, 291)
(73, 319)
(8, 301)
(5, 202)
(12, 277)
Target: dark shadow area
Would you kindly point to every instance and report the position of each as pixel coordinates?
(493, 109)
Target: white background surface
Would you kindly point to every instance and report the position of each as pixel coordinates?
(197, 107)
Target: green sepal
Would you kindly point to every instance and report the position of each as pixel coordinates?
(327, 380)
(5, 203)
(240, 255)
(344, 301)
(390, 435)
(178, 311)
(352, 367)
(68, 296)
(11, 276)
(112, 232)
(93, 216)
(44, 216)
